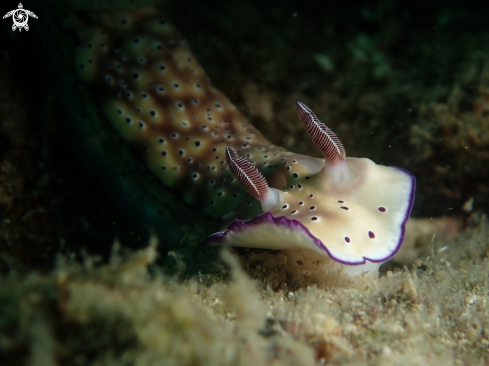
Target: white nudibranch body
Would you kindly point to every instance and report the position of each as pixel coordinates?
(351, 210)
(272, 200)
(339, 173)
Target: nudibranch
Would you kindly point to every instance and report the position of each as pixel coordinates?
(148, 87)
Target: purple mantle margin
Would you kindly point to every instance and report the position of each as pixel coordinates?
(238, 226)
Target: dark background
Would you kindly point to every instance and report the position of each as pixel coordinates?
(406, 84)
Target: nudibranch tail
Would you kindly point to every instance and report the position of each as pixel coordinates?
(325, 139)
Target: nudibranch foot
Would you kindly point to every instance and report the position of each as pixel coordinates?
(307, 263)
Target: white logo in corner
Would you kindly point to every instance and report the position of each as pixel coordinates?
(20, 17)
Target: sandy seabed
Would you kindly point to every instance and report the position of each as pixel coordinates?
(127, 313)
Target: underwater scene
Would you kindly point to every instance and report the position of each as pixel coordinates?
(244, 182)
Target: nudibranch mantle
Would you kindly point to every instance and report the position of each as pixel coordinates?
(359, 220)
(147, 86)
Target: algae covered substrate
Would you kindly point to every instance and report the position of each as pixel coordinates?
(118, 313)
(402, 84)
